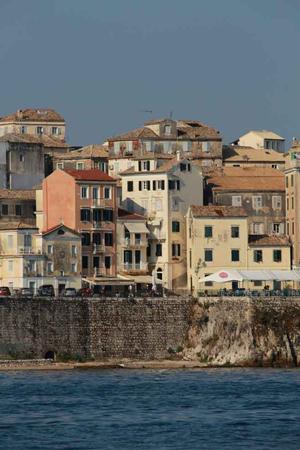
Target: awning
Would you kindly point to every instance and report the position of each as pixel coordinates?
(141, 279)
(138, 227)
(103, 281)
(223, 276)
(155, 222)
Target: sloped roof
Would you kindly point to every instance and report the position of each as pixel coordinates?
(57, 227)
(127, 215)
(33, 115)
(138, 133)
(90, 151)
(265, 240)
(20, 194)
(236, 153)
(266, 134)
(46, 141)
(217, 211)
(89, 175)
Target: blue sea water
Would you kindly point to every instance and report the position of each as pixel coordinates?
(150, 409)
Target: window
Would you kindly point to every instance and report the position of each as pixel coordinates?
(158, 250)
(73, 267)
(292, 180)
(60, 165)
(276, 228)
(274, 166)
(288, 228)
(286, 181)
(178, 185)
(235, 255)
(206, 146)
(97, 238)
(175, 204)
(97, 215)
(108, 215)
(276, 202)
(257, 201)
(85, 262)
(144, 185)
(85, 215)
(22, 157)
(108, 239)
(292, 203)
(80, 165)
(129, 186)
(257, 256)
(293, 227)
(107, 192)
(159, 274)
(277, 256)
(23, 129)
(235, 231)
(175, 226)
(208, 255)
(182, 167)
(55, 131)
(208, 231)
(258, 228)
(175, 250)
(95, 193)
(85, 238)
(84, 192)
(146, 165)
(31, 265)
(39, 130)
(50, 267)
(191, 258)
(236, 200)
(107, 262)
(74, 251)
(167, 129)
(50, 249)
(171, 184)
(287, 204)
(189, 167)
(18, 210)
(161, 185)
(4, 210)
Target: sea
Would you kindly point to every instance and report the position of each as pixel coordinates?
(150, 409)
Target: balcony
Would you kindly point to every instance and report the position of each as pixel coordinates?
(127, 242)
(158, 235)
(29, 251)
(134, 267)
(98, 248)
(102, 202)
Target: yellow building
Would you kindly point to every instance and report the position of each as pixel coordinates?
(217, 239)
(262, 139)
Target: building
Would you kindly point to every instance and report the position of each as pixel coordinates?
(190, 137)
(262, 139)
(30, 259)
(260, 191)
(238, 156)
(34, 121)
(17, 206)
(85, 201)
(132, 245)
(89, 157)
(217, 239)
(162, 192)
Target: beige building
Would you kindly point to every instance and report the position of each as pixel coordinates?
(89, 157)
(217, 239)
(162, 192)
(238, 156)
(30, 259)
(34, 121)
(262, 139)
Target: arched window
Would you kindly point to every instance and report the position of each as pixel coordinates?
(159, 274)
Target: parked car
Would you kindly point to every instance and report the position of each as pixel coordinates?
(46, 290)
(24, 293)
(85, 292)
(4, 291)
(69, 292)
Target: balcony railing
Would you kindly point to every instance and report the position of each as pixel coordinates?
(98, 248)
(128, 267)
(101, 202)
(127, 242)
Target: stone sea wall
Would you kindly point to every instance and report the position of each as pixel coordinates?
(214, 331)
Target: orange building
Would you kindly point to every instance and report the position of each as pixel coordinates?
(85, 201)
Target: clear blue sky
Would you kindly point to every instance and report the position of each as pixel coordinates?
(233, 64)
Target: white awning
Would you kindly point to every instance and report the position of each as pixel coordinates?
(136, 227)
(155, 222)
(223, 276)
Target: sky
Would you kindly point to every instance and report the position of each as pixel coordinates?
(103, 64)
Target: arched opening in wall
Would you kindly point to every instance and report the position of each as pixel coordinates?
(50, 354)
(159, 274)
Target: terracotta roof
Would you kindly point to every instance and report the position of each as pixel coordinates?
(89, 175)
(20, 194)
(46, 141)
(16, 226)
(33, 115)
(236, 153)
(265, 134)
(155, 121)
(126, 215)
(151, 155)
(138, 133)
(247, 179)
(217, 211)
(265, 240)
(165, 167)
(57, 227)
(91, 151)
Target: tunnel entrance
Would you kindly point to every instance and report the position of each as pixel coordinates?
(50, 354)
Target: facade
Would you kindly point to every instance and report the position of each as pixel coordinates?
(238, 156)
(90, 157)
(132, 244)
(218, 239)
(189, 137)
(34, 122)
(85, 201)
(261, 192)
(17, 206)
(162, 193)
(29, 259)
(262, 139)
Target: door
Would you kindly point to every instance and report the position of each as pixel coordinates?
(138, 259)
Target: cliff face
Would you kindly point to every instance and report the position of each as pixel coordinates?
(244, 331)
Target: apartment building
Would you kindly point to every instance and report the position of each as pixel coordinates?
(17, 205)
(162, 193)
(30, 259)
(190, 137)
(85, 201)
(262, 139)
(218, 239)
(260, 191)
(34, 121)
(89, 157)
